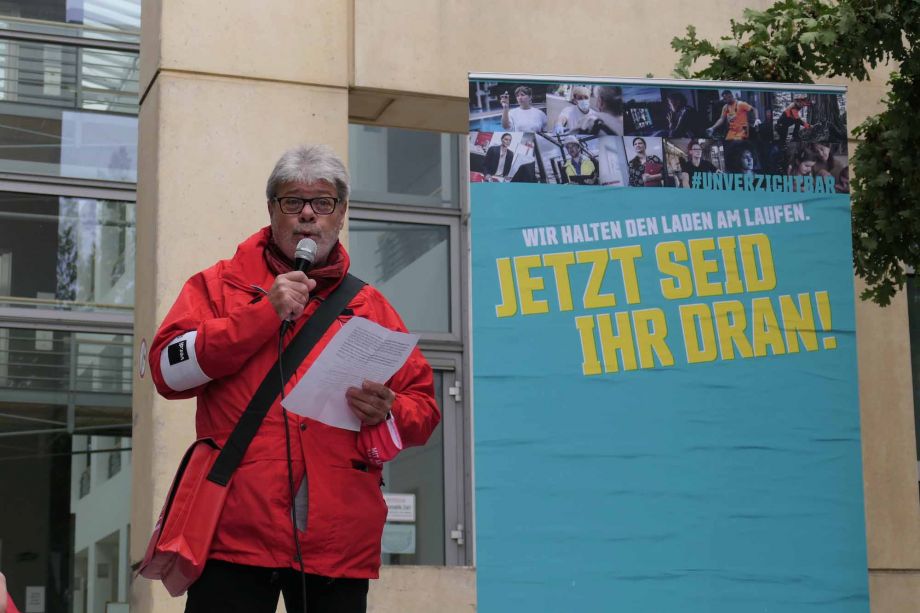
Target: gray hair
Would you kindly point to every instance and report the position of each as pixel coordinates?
(306, 164)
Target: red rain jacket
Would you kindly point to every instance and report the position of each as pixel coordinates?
(10, 605)
(232, 342)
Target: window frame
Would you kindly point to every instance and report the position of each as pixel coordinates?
(105, 321)
(362, 212)
(455, 425)
(451, 152)
(448, 353)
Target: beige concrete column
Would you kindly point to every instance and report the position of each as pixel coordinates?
(889, 456)
(423, 589)
(894, 592)
(887, 419)
(227, 87)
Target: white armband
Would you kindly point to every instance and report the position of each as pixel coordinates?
(179, 363)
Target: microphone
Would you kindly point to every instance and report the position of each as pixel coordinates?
(304, 255)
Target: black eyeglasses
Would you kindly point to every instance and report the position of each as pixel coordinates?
(322, 205)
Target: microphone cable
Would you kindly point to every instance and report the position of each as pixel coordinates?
(290, 472)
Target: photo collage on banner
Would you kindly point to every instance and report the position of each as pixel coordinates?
(648, 136)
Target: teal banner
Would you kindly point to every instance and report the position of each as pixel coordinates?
(664, 356)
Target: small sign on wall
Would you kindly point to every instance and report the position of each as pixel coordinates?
(35, 599)
(400, 507)
(398, 538)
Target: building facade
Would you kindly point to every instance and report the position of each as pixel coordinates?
(68, 143)
(88, 449)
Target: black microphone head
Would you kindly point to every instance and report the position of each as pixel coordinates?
(305, 254)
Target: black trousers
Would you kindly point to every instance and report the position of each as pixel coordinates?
(225, 587)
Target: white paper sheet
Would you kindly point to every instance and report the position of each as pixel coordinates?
(361, 350)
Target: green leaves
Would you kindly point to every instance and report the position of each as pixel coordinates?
(808, 38)
(827, 37)
(886, 192)
(797, 40)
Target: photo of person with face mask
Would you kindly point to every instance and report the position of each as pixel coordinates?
(578, 117)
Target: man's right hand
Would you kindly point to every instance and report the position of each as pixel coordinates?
(289, 294)
(505, 100)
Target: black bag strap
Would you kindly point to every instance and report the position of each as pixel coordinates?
(238, 442)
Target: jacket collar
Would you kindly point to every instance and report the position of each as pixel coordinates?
(248, 266)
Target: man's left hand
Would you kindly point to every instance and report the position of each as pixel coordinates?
(371, 402)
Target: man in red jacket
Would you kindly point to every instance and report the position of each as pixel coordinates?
(217, 343)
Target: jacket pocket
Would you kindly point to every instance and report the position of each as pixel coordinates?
(362, 513)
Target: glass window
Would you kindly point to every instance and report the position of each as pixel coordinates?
(107, 81)
(76, 250)
(913, 312)
(418, 472)
(103, 14)
(68, 77)
(65, 477)
(68, 111)
(37, 364)
(410, 264)
(46, 141)
(68, 106)
(409, 167)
